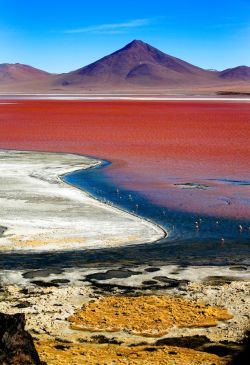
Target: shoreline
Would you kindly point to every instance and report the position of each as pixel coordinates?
(51, 296)
(116, 97)
(165, 233)
(122, 131)
(140, 230)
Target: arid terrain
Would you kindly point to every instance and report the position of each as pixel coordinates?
(85, 322)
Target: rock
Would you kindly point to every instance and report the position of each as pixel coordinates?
(16, 344)
(242, 358)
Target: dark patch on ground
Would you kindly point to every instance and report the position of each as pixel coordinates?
(42, 273)
(152, 269)
(150, 349)
(202, 343)
(112, 274)
(44, 284)
(60, 281)
(165, 279)
(243, 356)
(238, 268)
(2, 230)
(100, 339)
(220, 280)
(63, 340)
(61, 347)
(24, 304)
(149, 282)
(153, 285)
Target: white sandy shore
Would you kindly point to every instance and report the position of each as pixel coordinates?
(41, 212)
(131, 97)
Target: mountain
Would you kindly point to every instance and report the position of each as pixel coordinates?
(236, 73)
(136, 63)
(136, 67)
(17, 72)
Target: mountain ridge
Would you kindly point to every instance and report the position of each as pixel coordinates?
(18, 72)
(136, 65)
(117, 68)
(239, 72)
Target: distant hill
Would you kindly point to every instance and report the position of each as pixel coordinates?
(236, 73)
(17, 72)
(136, 67)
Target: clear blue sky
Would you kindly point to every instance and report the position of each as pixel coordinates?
(62, 35)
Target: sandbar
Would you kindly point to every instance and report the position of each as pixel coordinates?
(41, 212)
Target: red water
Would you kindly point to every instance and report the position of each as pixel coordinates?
(152, 144)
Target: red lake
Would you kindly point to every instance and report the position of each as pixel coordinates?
(192, 156)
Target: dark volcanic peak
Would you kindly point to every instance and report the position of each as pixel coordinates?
(135, 43)
(136, 63)
(17, 72)
(145, 52)
(236, 73)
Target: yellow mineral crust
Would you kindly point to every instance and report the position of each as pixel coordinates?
(89, 354)
(145, 315)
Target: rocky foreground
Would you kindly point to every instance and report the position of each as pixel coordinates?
(16, 344)
(101, 322)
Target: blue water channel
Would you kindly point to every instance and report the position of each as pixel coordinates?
(186, 244)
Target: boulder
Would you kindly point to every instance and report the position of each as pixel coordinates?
(16, 344)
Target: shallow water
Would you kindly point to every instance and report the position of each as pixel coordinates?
(185, 244)
(189, 235)
(164, 167)
(155, 146)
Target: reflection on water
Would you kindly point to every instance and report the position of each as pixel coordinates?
(192, 239)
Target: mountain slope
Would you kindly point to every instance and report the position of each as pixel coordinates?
(133, 68)
(16, 72)
(136, 63)
(236, 73)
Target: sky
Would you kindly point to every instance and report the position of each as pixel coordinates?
(64, 35)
